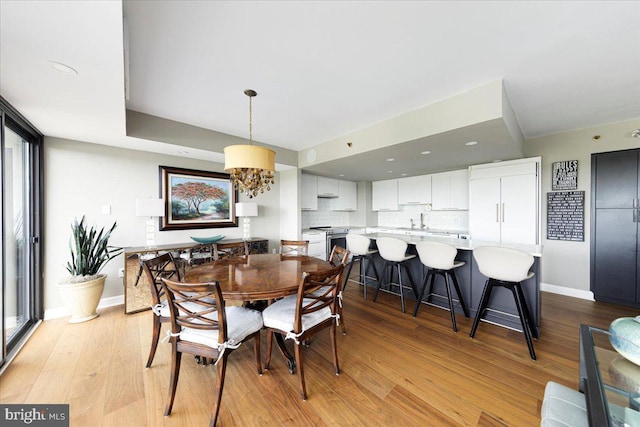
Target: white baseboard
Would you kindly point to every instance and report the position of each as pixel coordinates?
(570, 292)
(58, 312)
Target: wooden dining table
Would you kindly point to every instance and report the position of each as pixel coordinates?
(258, 277)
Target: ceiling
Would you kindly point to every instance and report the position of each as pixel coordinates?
(321, 69)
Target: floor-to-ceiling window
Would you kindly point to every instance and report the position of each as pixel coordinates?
(20, 227)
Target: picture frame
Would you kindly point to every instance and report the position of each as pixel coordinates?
(564, 175)
(196, 199)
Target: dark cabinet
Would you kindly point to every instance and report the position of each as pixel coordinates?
(615, 231)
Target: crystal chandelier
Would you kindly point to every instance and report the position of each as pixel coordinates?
(251, 167)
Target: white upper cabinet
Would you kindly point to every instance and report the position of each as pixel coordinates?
(450, 190)
(347, 197)
(309, 197)
(415, 190)
(384, 195)
(505, 203)
(328, 187)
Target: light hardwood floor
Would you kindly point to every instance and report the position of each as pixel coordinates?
(396, 370)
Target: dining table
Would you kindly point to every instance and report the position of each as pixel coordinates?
(258, 277)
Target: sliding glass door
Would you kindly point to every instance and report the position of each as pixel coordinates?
(20, 228)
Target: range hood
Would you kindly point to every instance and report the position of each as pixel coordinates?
(327, 196)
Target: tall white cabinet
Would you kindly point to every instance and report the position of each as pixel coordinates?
(504, 202)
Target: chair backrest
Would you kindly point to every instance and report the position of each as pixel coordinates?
(358, 244)
(230, 250)
(392, 249)
(162, 266)
(510, 265)
(197, 306)
(339, 255)
(437, 255)
(317, 290)
(294, 247)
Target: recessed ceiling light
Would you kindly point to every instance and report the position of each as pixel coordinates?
(390, 159)
(497, 161)
(390, 171)
(426, 152)
(341, 174)
(404, 174)
(471, 143)
(63, 68)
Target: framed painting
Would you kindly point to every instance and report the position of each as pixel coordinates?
(196, 199)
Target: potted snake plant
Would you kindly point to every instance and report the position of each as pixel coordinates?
(90, 252)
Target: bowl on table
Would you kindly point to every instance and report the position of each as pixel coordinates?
(207, 240)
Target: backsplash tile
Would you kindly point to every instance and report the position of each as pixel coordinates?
(439, 220)
(324, 216)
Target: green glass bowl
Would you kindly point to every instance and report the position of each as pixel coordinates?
(207, 240)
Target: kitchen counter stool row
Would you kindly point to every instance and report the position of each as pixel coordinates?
(491, 267)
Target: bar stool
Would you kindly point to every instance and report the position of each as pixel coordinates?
(507, 268)
(358, 245)
(440, 259)
(394, 253)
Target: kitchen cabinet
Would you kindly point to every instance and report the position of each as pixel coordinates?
(328, 187)
(384, 195)
(450, 190)
(615, 230)
(309, 193)
(504, 203)
(317, 243)
(415, 190)
(347, 197)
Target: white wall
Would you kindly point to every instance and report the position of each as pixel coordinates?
(567, 264)
(80, 178)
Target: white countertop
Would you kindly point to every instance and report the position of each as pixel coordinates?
(462, 244)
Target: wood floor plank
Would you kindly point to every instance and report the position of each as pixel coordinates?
(395, 369)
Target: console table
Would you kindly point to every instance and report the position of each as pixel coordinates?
(137, 297)
(610, 383)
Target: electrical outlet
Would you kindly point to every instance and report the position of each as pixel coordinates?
(121, 272)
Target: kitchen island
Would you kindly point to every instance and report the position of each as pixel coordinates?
(501, 310)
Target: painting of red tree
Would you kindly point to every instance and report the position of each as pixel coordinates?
(197, 199)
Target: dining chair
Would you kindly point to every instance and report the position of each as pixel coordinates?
(230, 250)
(197, 255)
(294, 247)
(155, 269)
(340, 256)
(301, 317)
(202, 326)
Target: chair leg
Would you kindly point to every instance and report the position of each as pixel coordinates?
(154, 339)
(371, 264)
(384, 270)
(343, 325)
(222, 370)
(452, 310)
(256, 349)
(298, 354)
(344, 286)
(484, 299)
(267, 359)
(527, 313)
(411, 282)
(173, 380)
(517, 295)
(460, 297)
(401, 287)
(334, 347)
(419, 300)
(139, 274)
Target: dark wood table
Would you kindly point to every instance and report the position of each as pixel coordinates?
(259, 277)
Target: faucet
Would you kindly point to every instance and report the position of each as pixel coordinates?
(412, 224)
(421, 220)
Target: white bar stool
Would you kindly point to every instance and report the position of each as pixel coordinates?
(440, 259)
(358, 245)
(394, 253)
(507, 268)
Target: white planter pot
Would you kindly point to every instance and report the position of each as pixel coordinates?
(82, 299)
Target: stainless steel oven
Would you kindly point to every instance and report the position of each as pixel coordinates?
(335, 236)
